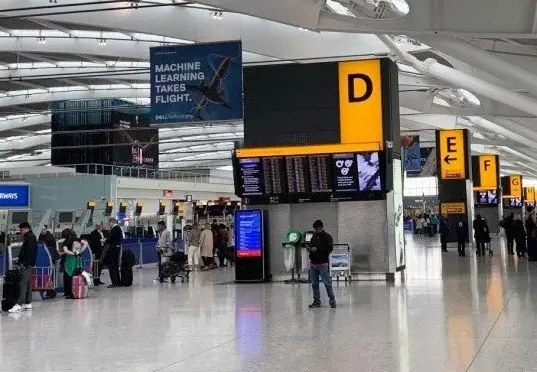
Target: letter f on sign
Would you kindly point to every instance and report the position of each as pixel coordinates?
(486, 163)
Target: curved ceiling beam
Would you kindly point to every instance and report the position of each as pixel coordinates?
(73, 72)
(72, 95)
(285, 42)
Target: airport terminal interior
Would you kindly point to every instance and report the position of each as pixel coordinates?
(283, 185)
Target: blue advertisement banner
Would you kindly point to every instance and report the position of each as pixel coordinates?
(14, 196)
(411, 151)
(198, 82)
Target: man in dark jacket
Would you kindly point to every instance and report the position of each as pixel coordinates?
(26, 261)
(480, 234)
(444, 232)
(46, 238)
(509, 227)
(320, 247)
(96, 240)
(462, 235)
(111, 259)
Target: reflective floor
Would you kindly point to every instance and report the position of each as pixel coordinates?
(450, 314)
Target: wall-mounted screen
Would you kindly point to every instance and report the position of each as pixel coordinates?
(512, 202)
(65, 217)
(310, 178)
(486, 197)
(19, 217)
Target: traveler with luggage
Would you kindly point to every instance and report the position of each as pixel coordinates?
(480, 234)
(193, 237)
(207, 248)
(462, 235)
(520, 236)
(72, 247)
(96, 240)
(319, 249)
(113, 250)
(164, 244)
(531, 231)
(26, 262)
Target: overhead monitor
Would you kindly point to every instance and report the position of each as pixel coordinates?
(18, 217)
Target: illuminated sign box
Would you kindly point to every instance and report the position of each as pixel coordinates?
(14, 196)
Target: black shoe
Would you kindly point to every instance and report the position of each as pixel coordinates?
(68, 297)
(315, 304)
(333, 304)
(98, 282)
(112, 286)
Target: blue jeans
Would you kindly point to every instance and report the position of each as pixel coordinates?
(322, 271)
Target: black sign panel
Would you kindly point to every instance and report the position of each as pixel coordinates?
(251, 177)
(345, 172)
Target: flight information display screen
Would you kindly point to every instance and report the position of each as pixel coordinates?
(310, 178)
(249, 233)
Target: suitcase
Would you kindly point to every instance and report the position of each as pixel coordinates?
(126, 278)
(80, 288)
(10, 294)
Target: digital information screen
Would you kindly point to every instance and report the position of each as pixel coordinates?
(320, 173)
(251, 177)
(486, 197)
(248, 233)
(345, 171)
(273, 176)
(297, 174)
(311, 178)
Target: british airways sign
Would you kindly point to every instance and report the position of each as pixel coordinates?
(14, 196)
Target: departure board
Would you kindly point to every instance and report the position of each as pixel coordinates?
(274, 176)
(320, 169)
(251, 176)
(297, 170)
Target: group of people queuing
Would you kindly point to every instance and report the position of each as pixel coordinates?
(521, 235)
(206, 240)
(426, 224)
(67, 256)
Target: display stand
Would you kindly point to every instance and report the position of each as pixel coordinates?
(293, 242)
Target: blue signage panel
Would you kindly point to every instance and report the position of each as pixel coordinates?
(249, 233)
(198, 82)
(14, 196)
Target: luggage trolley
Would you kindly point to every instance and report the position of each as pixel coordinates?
(340, 262)
(45, 276)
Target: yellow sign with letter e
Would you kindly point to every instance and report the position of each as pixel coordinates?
(452, 154)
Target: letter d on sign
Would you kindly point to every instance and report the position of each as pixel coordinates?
(368, 87)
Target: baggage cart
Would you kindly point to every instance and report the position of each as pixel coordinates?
(340, 262)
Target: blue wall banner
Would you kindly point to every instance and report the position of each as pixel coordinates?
(411, 151)
(14, 196)
(198, 82)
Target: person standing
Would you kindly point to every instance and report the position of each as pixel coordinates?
(111, 259)
(444, 232)
(207, 247)
(319, 249)
(26, 261)
(164, 244)
(531, 231)
(508, 227)
(72, 247)
(434, 224)
(520, 236)
(96, 240)
(48, 240)
(221, 246)
(480, 234)
(462, 235)
(193, 237)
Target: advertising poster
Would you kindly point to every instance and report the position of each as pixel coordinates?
(135, 143)
(369, 171)
(198, 82)
(400, 250)
(428, 163)
(411, 153)
(345, 171)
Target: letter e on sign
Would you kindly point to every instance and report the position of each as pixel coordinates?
(452, 154)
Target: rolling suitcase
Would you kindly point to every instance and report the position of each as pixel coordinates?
(10, 289)
(127, 263)
(80, 288)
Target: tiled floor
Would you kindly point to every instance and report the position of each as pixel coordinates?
(450, 314)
